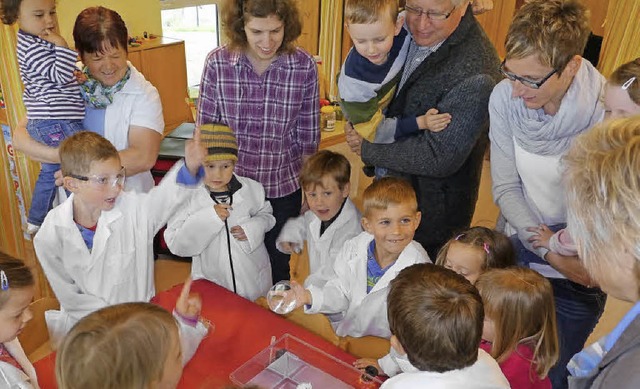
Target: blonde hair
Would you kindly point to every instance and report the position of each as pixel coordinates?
(497, 248)
(553, 30)
(78, 151)
(602, 186)
(386, 191)
(121, 346)
(370, 11)
(325, 163)
(624, 74)
(18, 276)
(520, 303)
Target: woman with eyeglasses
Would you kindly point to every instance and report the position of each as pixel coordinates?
(549, 97)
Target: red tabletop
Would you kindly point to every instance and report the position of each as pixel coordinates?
(242, 329)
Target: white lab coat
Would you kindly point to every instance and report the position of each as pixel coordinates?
(197, 231)
(119, 268)
(484, 374)
(10, 376)
(136, 104)
(393, 363)
(364, 314)
(323, 249)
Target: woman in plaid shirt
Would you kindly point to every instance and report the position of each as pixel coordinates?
(266, 90)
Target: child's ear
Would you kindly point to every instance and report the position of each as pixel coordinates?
(418, 218)
(346, 190)
(70, 184)
(399, 24)
(366, 225)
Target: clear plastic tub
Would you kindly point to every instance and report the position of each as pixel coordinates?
(290, 362)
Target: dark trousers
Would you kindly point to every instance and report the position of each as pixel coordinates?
(283, 208)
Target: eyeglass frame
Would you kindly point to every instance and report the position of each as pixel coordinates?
(419, 12)
(121, 176)
(525, 81)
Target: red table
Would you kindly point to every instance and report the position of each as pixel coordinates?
(242, 329)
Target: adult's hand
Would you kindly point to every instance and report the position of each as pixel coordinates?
(36, 151)
(354, 140)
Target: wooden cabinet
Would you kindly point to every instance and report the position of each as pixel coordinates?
(163, 63)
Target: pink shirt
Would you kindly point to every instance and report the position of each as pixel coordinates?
(519, 368)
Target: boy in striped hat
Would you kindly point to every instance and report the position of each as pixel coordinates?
(223, 227)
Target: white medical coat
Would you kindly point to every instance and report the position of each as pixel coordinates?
(322, 249)
(14, 378)
(364, 313)
(197, 231)
(119, 268)
(483, 374)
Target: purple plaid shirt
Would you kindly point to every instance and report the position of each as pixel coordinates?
(274, 116)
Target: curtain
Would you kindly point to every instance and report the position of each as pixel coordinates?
(330, 46)
(621, 41)
(18, 174)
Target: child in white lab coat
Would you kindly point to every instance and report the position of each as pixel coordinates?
(131, 345)
(436, 318)
(331, 220)
(367, 263)
(16, 293)
(96, 248)
(223, 226)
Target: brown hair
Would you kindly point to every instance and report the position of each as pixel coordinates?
(519, 301)
(18, 275)
(325, 163)
(235, 13)
(120, 346)
(437, 316)
(370, 11)
(624, 74)
(500, 253)
(602, 188)
(386, 191)
(96, 28)
(78, 151)
(553, 30)
(9, 10)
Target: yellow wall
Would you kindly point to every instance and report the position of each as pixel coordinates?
(139, 15)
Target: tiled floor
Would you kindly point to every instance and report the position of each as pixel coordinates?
(170, 272)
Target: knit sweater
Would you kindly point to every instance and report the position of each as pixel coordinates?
(444, 167)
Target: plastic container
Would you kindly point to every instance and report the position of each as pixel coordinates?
(290, 362)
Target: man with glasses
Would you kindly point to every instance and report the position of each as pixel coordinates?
(550, 96)
(452, 66)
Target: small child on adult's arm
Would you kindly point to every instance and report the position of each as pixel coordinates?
(17, 286)
(223, 227)
(520, 325)
(96, 248)
(373, 68)
(469, 254)
(55, 108)
(367, 263)
(331, 220)
(436, 318)
(131, 345)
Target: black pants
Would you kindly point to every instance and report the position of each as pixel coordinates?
(283, 208)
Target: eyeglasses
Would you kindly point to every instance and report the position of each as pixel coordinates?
(431, 15)
(525, 81)
(103, 181)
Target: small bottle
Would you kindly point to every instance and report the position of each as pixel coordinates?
(328, 114)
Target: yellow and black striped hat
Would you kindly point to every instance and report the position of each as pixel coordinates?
(219, 141)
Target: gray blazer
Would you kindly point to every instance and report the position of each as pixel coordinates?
(620, 368)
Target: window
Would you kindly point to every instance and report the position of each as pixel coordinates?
(195, 22)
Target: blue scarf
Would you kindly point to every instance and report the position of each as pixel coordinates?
(100, 96)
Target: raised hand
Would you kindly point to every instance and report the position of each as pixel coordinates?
(194, 152)
(188, 305)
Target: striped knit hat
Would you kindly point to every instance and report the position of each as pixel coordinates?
(219, 141)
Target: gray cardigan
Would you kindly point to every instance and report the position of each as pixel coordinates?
(620, 368)
(444, 167)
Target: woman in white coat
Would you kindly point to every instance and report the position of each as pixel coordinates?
(121, 105)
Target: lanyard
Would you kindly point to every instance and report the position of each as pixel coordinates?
(226, 227)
